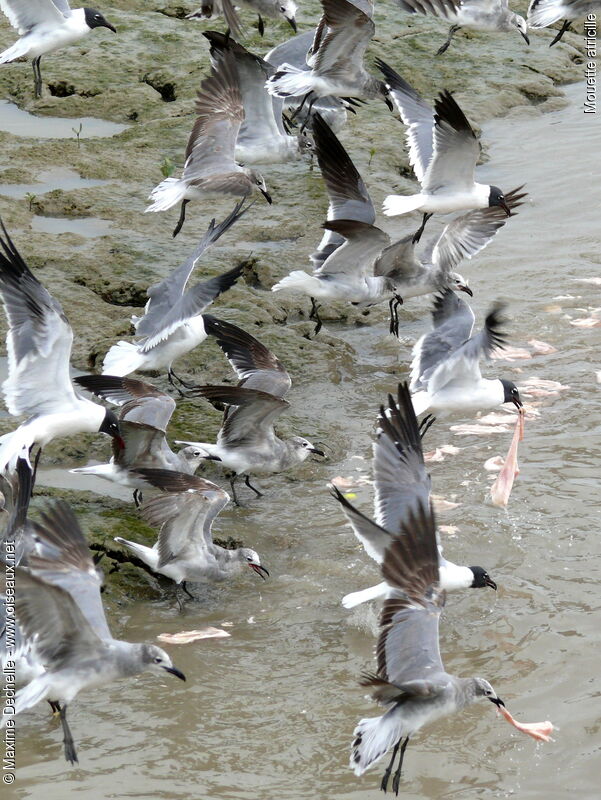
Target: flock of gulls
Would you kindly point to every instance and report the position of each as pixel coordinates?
(253, 111)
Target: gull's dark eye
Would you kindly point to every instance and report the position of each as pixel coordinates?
(158, 660)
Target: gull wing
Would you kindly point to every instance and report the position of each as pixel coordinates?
(407, 653)
(253, 418)
(140, 402)
(26, 14)
(456, 149)
(447, 9)
(184, 512)
(349, 31)
(362, 244)
(374, 538)
(348, 195)
(255, 365)
(39, 340)
(401, 480)
(453, 322)
(416, 114)
(73, 568)
(220, 113)
(466, 235)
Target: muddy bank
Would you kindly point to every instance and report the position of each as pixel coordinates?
(146, 77)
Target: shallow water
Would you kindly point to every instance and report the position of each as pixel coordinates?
(48, 181)
(89, 227)
(269, 713)
(19, 122)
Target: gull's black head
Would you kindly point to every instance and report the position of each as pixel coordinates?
(94, 19)
(110, 426)
(497, 198)
(482, 579)
(511, 393)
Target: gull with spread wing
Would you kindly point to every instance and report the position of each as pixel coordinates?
(184, 512)
(443, 151)
(542, 13)
(445, 371)
(172, 323)
(410, 679)
(247, 443)
(275, 9)
(210, 166)
(39, 385)
(143, 420)
(401, 485)
(45, 26)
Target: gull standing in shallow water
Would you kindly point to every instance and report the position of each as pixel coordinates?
(478, 15)
(401, 485)
(210, 166)
(59, 609)
(39, 384)
(247, 443)
(410, 680)
(184, 512)
(445, 371)
(45, 26)
(443, 151)
(172, 323)
(143, 420)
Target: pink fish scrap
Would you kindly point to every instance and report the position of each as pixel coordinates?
(541, 731)
(501, 488)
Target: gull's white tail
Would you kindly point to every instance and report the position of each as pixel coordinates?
(396, 204)
(374, 736)
(122, 358)
(17, 50)
(356, 598)
(101, 470)
(290, 81)
(167, 194)
(421, 402)
(14, 444)
(299, 281)
(146, 554)
(30, 695)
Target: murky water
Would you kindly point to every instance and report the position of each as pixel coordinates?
(47, 181)
(17, 121)
(89, 227)
(269, 713)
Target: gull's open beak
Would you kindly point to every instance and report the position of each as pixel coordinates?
(497, 701)
(260, 570)
(489, 582)
(518, 403)
(463, 287)
(267, 196)
(316, 451)
(211, 458)
(176, 672)
(109, 26)
(292, 23)
(505, 207)
(525, 36)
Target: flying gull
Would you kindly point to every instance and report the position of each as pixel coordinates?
(172, 323)
(445, 371)
(542, 13)
(143, 420)
(247, 443)
(479, 15)
(401, 485)
(39, 385)
(443, 151)
(184, 512)
(45, 26)
(210, 167)
(275, 9)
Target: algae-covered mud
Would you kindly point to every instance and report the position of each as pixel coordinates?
(269, 712)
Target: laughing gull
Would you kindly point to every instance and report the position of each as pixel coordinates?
(39, 344)
(401, 484)
(18, 537)
(294, 51)
(276, 9)
(247, 443)
(172, 323)
(184, 513)
(143, 420)
(542, 13)
(59, 609)
(410, 680)
(336, 61)
(45, 26)
(445, 371)
(443, 151)
(479, 15)
(262, 138)
(210, 166)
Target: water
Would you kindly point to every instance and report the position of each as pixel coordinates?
(269, 713)
(88, 227)
(19, 122)
(47, 181)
